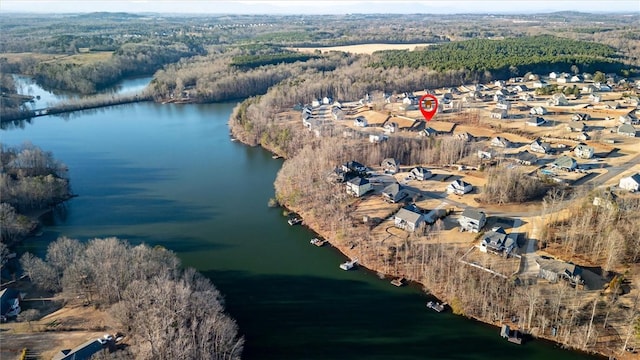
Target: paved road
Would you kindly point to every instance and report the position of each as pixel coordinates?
(615, 171)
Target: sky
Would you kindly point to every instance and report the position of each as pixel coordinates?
(317, 6)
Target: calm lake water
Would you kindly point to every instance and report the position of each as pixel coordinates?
(168, 175)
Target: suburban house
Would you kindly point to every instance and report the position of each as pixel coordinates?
(459, 187)
(595, 98)
(583, 136)
(360, 121)
(499, 83)
(553, 75)
(538, 110)
(539, 84)
(577, 126)
(465, 136)
(558, 100)
(562, 79)
(580, 117)
(627, 130)
(521, 88)
(394, 193)
(390, 166)
(390, 127)
(337, 113)
(307, 119)
(565, 162)
(82, 352)
(536, 121)
(584, 151)
(428, 132)
(376, 138)
(503, 104)
(315, 103)
(500, 142)
(358, 186)
(523, 158)
(421, 173)
(408, 219)
(552, 270)
(9, 303)
(540, 147)
(525, 96)
(327, 100)
(472, 220)
(576, 79)
(499, 113)
(497, 241)
(631, 183)
(353, 166)
(486, 153)
(589, 89)
(630, 118)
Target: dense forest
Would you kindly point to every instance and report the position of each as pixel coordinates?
(508, 57)
(30, 179)
(170, 312)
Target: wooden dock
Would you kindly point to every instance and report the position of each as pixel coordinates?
(513, 336)
(398, 282)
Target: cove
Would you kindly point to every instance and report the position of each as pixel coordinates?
(169, 175)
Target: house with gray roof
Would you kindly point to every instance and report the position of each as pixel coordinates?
(540, 147)
(390, 165)
(497, 241)
(459, 187)
(358, 186)
(553, 270)
(499, 141)
(584, 151)
(82, 352)
(630, 183)
(394, 193)
(9, 302)
(408, 219)
(421, 173)
(627, 130)
(565, 162)
(472, 220)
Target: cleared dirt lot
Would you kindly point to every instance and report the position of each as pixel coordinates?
(363, 48)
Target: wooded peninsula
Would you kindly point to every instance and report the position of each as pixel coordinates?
(323, 110)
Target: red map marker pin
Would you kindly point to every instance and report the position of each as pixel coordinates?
(428, 106)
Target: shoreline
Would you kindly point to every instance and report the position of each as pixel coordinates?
(311, 223)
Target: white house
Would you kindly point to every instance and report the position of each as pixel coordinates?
(376, 138)
(553, 75)
(538, 110)
(627, 130)
(500, 142)
(360, 121)
(421, 173)
(540, 147)
(408, 219)
(497, 241)
(631, 183)
(327, 100)
(390, 127)
(536, 121)
(358, 186)
(459, 187)
(472, 220)
(558, 100)
(503, 104)
(499, 113)
(583, 151)
(390, 165)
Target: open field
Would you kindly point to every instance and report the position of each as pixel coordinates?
(362, 48)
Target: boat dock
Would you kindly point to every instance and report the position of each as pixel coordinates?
(349, 264)
(398, 282)
(318, 242)
(294, 221)
(513, 336)
(436, 306)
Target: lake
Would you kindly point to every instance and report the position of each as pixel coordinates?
(169, 175)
